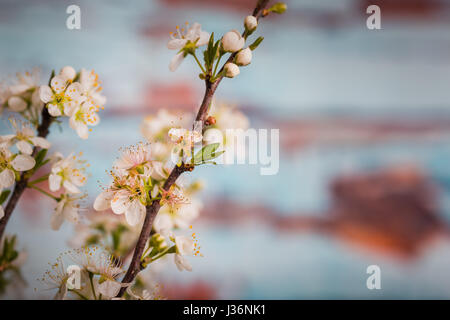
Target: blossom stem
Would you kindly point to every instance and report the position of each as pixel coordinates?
(79, 294)
(43, 192)
(198, 62)
(92, 285)
(151, 211)
(43, 178)
(217, 64)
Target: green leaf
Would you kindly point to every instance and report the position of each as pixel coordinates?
(4, 195)
(207, 153)
(208, 56)
(40, 158)
(255, 44)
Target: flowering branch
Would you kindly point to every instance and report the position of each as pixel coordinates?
(212, 81)
(21, 185)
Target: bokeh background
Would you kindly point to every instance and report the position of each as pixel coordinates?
(364, 119)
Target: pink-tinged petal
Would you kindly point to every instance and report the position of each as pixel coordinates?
(54, 110)
(176, 61)
(41, 142)
(193, 32)
(58, 84)
(24, 147)
(109, 288)
(54, 182)
(7, 178)
(23, 162)
(45, 93)
(17, 104)
(103, 201)
(135, 212)
(176, 44)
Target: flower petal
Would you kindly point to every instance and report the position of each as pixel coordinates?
(204, 39)
(182, 263)
(24, 147)
(41, 142)
(54, 110)
(176, 61)
(45, 93)
(135, 212)
(109, 288)
(80, 127)
(70, 187)
(176, 44)
(58, 84)
(70, 213)
(7, 178)
(2, 213)
(23, 162)
(57, 217)
(120, 202)
(103, 201)
(54, 182)
(17, 104)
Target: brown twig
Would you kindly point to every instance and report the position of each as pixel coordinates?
(21, 185)
(135, 266)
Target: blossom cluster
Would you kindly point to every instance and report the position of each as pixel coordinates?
(75, 95)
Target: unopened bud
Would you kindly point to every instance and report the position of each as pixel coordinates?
(244, 57)
(278, 7)
(232, 41)
(231, 70)
(250, 23)
(210, 121)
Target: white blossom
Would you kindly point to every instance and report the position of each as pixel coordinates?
(66, 209)
(62, 97)
(68, 173)
(194, 35)
(24, 139)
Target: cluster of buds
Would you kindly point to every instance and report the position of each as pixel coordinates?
(233, 42)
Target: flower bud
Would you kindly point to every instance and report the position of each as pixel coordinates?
(68, 73)
(231, 70)
(244, 57)
(232, 41)
(250, 23)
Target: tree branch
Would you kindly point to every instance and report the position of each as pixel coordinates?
(21, 185)
(135, 266)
